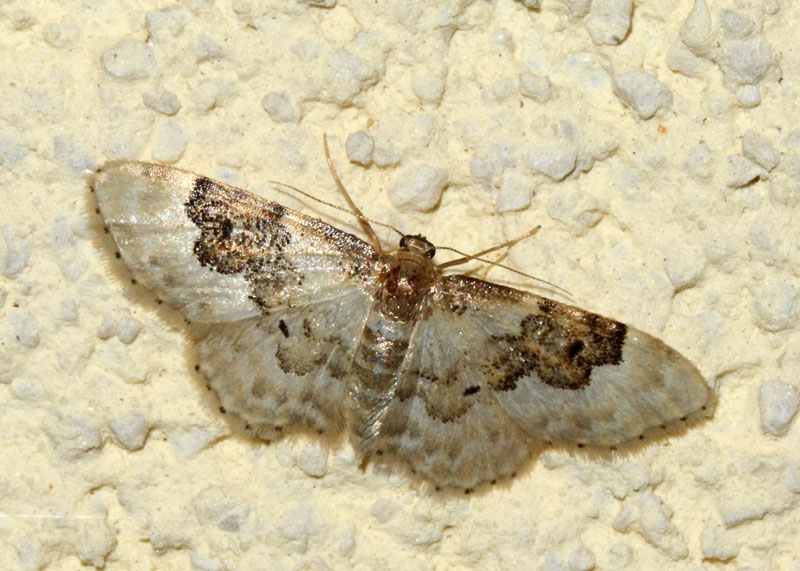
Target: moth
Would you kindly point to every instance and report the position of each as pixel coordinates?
(310, 326)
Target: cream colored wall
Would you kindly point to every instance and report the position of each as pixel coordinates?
(664, 170)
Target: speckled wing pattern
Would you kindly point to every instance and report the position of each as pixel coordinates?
(496, 373)
(218, 253)
(287, 294)
(307, 325)
(288, 369)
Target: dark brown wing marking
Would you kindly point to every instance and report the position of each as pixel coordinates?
(274, 248)
(561, 344)
(558, 342)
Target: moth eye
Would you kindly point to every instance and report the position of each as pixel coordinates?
(403, 242)
(431, 252)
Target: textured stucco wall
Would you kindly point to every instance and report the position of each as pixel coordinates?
(656, 145)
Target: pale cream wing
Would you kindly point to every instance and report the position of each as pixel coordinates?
(288, 369)
(219, 253)
(492, 373)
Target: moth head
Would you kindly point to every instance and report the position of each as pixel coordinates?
(417, 244)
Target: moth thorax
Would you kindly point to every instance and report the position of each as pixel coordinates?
(408, 280)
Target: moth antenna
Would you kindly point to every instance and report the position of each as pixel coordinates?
(518, 272)
(356, 210)
(467, 257)
(507, 244)
(331, 205)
